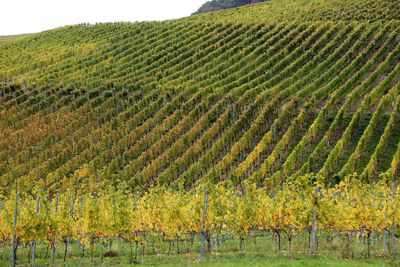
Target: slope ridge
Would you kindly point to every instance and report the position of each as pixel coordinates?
(215, 5)
(310, 10)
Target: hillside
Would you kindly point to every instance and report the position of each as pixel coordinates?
(9, 38)
(262, 92)
(215, 5)
(276, 11)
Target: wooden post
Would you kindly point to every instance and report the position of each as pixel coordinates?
(15, 225)
(37, 212)
(79, 239)
(52, 245)
(362, 237)
(373, 231)
(384, 231)
(202, 230)
(314, 224)
(72, 216)
(393, 226)
(34, 241)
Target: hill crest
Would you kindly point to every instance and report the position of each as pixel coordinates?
(215, 5)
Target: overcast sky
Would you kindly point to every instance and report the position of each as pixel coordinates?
(27, 16)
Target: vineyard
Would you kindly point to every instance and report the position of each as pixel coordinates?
(112, 130)
(350, 210)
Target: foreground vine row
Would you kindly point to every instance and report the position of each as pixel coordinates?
(212, 210)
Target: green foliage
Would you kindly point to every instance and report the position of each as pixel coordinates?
(215, 5)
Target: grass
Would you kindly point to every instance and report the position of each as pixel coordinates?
(8, 38)
(258, 250)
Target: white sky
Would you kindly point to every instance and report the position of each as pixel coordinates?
(28, 16)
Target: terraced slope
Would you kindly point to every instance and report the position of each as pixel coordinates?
(189, 100)
(311, 10)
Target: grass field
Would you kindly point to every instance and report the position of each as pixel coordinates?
(8, 38)
(257, 250)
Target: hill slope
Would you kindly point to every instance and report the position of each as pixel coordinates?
(275, 11)
(215, 5)
(187, 100)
